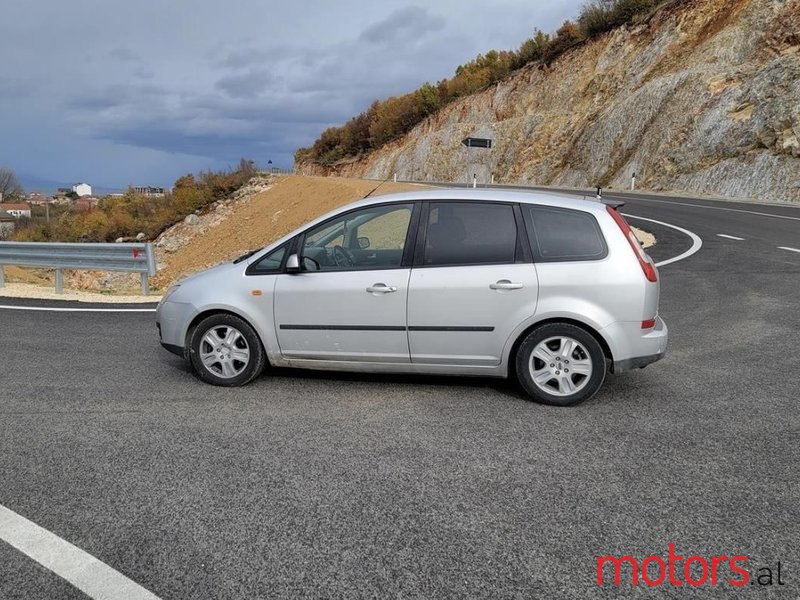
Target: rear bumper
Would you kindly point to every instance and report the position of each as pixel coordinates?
(640, 362)
(637, 348)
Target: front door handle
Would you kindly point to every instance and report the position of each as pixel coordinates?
(505, 284)
(381, 288)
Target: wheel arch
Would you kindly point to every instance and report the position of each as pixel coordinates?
(209, 312)
(512, 356)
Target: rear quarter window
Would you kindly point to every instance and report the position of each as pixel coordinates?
(560, 234)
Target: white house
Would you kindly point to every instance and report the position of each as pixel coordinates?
(82, 189)
(16, 210)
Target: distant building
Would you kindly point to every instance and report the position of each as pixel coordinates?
(16, 210)
(82, 189)
(37, 199)
(7, 224)
(150, 192)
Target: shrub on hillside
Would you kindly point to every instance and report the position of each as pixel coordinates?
(532, 50)
(600, 16)
(566, 36)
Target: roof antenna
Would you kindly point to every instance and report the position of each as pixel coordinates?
(373, 190)
(599, 193)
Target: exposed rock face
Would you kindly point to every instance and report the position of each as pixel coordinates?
(703, 97)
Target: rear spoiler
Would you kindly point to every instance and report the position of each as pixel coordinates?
(613, 203)
(607, 201)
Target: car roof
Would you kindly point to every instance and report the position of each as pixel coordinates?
(587, 203)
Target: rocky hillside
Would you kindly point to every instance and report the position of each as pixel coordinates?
(702, 96)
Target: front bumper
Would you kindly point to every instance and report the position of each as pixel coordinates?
(172, 321)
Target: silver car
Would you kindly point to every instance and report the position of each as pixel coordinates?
(555, 291)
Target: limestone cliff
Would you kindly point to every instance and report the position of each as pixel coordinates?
(702, 96)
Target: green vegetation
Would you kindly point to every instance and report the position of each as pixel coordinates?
(389, 119)
(131, 214)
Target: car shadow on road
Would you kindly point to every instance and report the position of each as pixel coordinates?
(504, 386)
(617, 388)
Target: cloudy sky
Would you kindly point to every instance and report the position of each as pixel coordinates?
(117, 92)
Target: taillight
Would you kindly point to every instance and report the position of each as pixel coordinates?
(648, 324)
(647, 267)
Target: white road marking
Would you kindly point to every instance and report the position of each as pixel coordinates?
(730, 237)
(94, 578)
(749, 212)
(67, 309)
(787, 248)
(697, 243)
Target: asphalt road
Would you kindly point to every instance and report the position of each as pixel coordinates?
(348, 486)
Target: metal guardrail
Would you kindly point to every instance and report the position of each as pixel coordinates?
(131, 258)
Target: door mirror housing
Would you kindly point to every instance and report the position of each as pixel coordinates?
(363, 243)
(293, 264)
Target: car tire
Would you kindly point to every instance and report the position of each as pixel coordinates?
(560, 364)
(225, 350)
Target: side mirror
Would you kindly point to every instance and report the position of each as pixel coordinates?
(293, 264)
(363, 243)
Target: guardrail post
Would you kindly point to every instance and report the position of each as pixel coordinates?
(145, 285)
(2, 277)
(59, 282)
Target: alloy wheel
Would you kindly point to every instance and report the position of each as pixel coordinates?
(560, 366)
(224, 351)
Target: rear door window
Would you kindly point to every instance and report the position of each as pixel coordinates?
(470, 233)
(560, 234)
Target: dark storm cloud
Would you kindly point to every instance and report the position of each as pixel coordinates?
(404, 24)
(250, 84)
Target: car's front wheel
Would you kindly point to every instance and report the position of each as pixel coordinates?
(561, 364)
(225, 350)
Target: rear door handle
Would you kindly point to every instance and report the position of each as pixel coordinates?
(505, 284)
(381, 288)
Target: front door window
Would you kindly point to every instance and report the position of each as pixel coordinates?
(370, 238)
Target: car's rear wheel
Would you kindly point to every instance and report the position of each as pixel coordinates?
(561, 364)
(225, 350)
